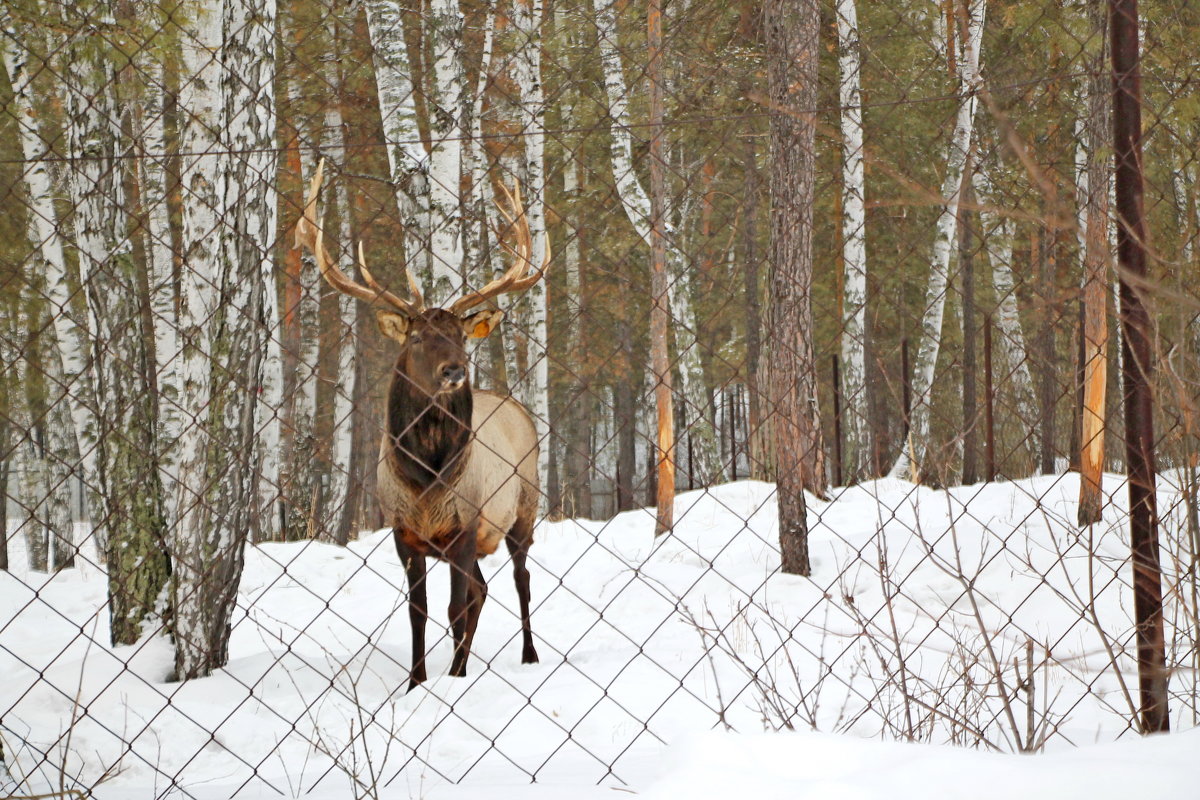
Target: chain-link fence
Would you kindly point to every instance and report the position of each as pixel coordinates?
(787, 288)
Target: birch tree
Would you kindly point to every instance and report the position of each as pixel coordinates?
(528, 17)
(408, 162)
(442, 275)
(228, 229)
(128, 488)
(636, 203)
(912, 461)
(855, 413)
(342, 342)
(57, 456)
(998, 233)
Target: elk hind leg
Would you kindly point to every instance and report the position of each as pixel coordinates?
(518, 540)
(467, 592)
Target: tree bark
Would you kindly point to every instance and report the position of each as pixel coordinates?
(1137, 366)
(792, 52)
(1093, 190)
(855, 400)
(229, 47)
(1008, 316)
(529, 17)
(659, 291)
(912, 462)
(130, 495)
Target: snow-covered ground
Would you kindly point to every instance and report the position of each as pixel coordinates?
(979, 616)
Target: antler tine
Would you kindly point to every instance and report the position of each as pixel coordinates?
(309, 234)
(418, 302)
(518, 277)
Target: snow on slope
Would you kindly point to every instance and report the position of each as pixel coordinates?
(314, 691)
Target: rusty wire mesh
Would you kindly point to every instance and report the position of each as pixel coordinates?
(971, 607)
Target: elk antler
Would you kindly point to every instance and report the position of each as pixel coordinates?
(518, 277)
(309, 234)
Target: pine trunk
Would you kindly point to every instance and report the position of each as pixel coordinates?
(1094, 187)
(793, 28)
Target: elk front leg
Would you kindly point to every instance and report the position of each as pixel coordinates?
(467, 591)
(418, 606)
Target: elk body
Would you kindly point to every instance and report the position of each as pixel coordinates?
(457, 466)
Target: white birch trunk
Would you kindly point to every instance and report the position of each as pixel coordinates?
(855, 418)
(129, 492)
(477, 232)
(1011, 341)
(1189, 229)
(446, 131)
(46, 233)
(151, 138)
(48, 456)
(228, 48)
(527, 71)
(407, 159)
(911, 463)
(698, 422)
(343, 344)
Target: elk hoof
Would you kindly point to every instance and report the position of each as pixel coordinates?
(529, 655)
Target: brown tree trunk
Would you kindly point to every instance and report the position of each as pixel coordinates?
(792, 53)
(1095, 293)
(966, 265)
(660, 309)
(1137, 366)
(755, 432)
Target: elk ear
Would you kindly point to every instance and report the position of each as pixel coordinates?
(480, 324)
(392, 325)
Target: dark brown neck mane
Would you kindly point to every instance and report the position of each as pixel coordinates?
(428, 434)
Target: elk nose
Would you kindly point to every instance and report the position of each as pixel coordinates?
(454, 374)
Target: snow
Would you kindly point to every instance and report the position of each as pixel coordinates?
(829, 767)
(627, 695)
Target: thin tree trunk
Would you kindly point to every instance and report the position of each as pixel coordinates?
(966, 267)
(792, 52)
(529, 17)
(408, 162)
(757, 434)
(1094, 186)
(342, 340)
(1044, 251)
(637, 206)
(578, 419)
(1137, 367)
(659, 291)
(856, 403)
(912, 462)
(1008, 317)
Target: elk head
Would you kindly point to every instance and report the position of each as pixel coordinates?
(433, 356)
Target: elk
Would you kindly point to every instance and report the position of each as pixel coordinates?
(457, 466)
